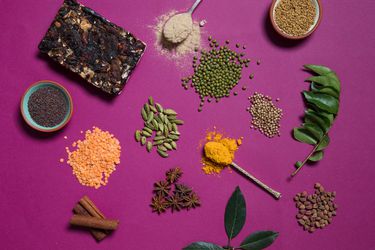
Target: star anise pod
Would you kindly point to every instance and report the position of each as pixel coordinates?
(192, 201)
(159, 204)
(175, 202)
(162, 188)
(182, 189)
(173, 175)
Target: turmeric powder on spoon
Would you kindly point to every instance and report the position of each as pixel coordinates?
(219, 153)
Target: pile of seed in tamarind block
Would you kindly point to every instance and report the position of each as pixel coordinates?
(315, 210)
(265, 115)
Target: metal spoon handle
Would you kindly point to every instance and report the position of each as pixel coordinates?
(191, 10)
(276, 194)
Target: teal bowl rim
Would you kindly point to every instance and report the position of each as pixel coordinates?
(41, 128)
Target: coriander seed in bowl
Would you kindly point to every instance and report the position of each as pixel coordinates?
(295, 19)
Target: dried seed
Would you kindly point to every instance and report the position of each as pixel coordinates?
(143, 140)
(147, 108)
(168, 146)
(151, 101)
(159, 107)
(148, 130)
(162, 153)
(174, 145)
(162, 148)
(149, 146)
(161, 127)
(138, 135)
(150, 117)
(173, 137)
(155, 124)
(169, 112)
(178, 122)
(146, 134)
(144, 114)
(158, 142)
(153, 109)
(160, 137)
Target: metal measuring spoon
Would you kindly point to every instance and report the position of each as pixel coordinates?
(178, 27)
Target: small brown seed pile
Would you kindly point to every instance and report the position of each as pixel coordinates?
(265, 115)
(295, 17)
(316, 210)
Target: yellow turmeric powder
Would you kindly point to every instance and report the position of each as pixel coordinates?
(218, 152)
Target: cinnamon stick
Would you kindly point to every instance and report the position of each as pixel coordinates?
(90, 207)
(93, 222)
(96, 233)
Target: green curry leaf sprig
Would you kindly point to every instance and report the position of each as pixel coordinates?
(322, 103)
(234, 220)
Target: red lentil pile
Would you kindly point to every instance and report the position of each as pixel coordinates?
(94, 158)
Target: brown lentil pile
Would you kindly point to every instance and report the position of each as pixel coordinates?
(95, 158)
(295, 17)
(265, 115)
(315, 210)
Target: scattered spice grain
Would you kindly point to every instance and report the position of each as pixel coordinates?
(295, 17)
(95, 158)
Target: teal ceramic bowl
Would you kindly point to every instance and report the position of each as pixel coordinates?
(25, 111)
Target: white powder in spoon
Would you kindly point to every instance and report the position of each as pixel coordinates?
(178, 27)
(171, 50)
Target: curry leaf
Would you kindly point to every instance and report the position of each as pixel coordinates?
(200, 245)
(235, 214)
(259, 240)
(322, 101)
(316, 156)
(203, 246)
(323, 105)
(319, 69)
(323, 143)
(327, 80)
(303, 135)
(314, 130)
(314, 118)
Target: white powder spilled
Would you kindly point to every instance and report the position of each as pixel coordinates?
(178, 27)
(176, 51)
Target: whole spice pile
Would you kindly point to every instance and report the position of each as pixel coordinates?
(315, 210)
(216, 140)
(94, 158)
(47, 106)
(161, 124)
(295, 17)
(87, 215)
(216, 72)
(170, 194)
(265, 115)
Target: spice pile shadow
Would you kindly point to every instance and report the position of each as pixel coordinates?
(47, 106)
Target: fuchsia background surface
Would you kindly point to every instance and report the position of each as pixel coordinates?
(37, 193)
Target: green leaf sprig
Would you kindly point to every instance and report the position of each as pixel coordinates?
(322, 102)
(234, 220)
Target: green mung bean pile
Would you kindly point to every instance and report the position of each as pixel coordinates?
(216, 72)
